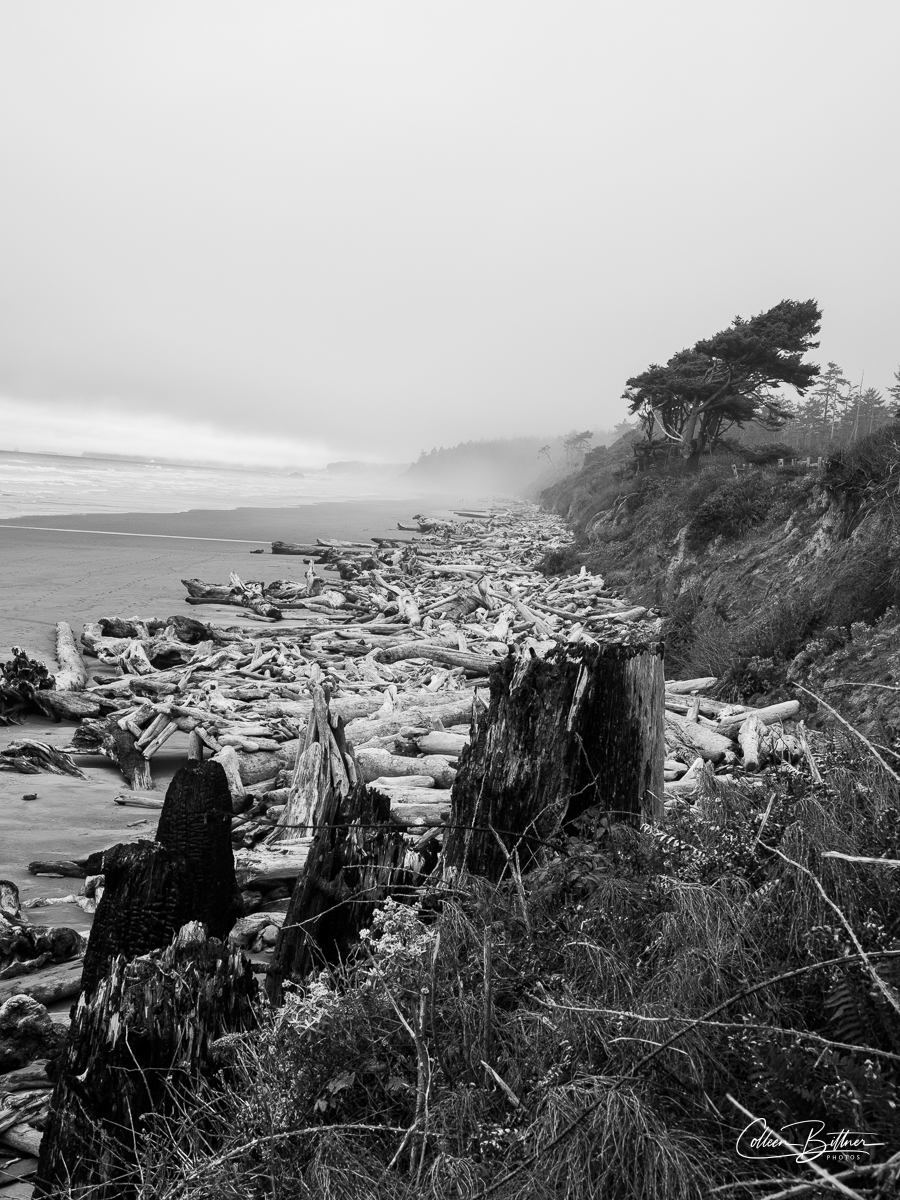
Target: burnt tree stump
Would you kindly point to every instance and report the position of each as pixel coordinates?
(137, 1048)
(195, 822)
(148, 895)
(579, 729)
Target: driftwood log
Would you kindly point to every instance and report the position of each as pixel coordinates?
(118, 745)
(139, 1046)
(71, 676)
(580, 728)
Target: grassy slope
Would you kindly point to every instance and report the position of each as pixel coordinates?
(756, 569)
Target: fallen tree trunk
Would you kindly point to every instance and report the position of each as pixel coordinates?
(71, 676)
(129, 1055)
(694, 738)
(580, 728)
(119, 746)
(728, 726)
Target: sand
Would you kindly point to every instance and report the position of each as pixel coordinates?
(49, 576)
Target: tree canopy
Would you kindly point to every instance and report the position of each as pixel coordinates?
(732, 378)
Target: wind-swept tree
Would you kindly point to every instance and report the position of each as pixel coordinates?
(732, 378)
(576, 444)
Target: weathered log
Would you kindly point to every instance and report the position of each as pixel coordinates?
(236, 594)
(195, 822)
(307, 549)
(695, 739)
(682, 686)
(440, 742)
(71, 676)
(577, 729)
(118, 745)
(48, 985)
(27, 1032)
(728, 726)
(68, 706)
(374, 763)
(750, 737)
(128, 1056)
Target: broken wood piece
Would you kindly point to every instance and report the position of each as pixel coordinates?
(750, 737)
(681, 686)
(729, 726)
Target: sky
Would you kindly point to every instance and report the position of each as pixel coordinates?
(361, 229)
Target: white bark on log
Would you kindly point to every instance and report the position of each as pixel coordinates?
(24, 1139)
(72, 675)
(377, 763)
(301, 810)
(690, 685)
(729, 726)
(694, 736)
(438, 742)
(751, 739)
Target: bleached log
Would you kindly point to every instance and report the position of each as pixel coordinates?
(439, 742)
(72, 675)
(305, 797)
(729, 726)
(751, 740)
(377, 763)
(691, 685)
(695, 737)
(403, 782)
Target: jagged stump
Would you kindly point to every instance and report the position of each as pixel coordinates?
(139, 1045)
(580, 728)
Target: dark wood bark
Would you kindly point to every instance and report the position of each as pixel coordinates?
(195, 822)
(128, 1057)
(579, 729)
(358, 858)
(149, 894)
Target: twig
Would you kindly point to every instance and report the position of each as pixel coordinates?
(511, 1095)
(886, 991)
(893, 774)
(488, 996)
(567, 1130)
(783, 1030)
(824, 1175)
(862, 858)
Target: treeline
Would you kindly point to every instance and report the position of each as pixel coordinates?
(754, 376)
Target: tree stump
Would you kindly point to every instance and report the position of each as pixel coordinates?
(358, 857)
(580, 728)
(195, 822)
(139, 1046)
(148, 895)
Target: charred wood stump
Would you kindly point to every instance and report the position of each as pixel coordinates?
(579, 729)
(149, 894)
(195, 822)
(137, 1051)
(359, 856)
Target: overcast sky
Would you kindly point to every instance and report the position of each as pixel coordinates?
(361, 229)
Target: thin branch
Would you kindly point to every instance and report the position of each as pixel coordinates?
(886, 991)
(893, 774)
(824, 1175)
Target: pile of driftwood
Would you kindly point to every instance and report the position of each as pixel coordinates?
(413, 710)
